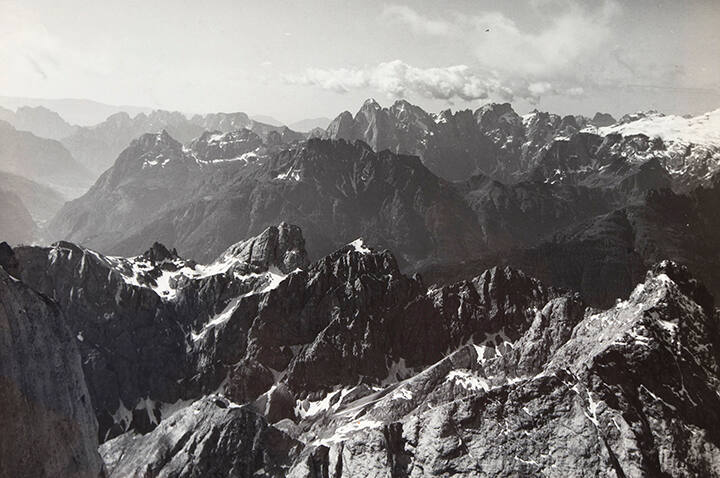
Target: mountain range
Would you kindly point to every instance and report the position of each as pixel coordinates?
(263, 363)
(42, 160)
(199, 196)
(76, 111)
(404, 294)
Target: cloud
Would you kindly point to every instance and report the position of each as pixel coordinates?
(398, 80)
(34, 57)
(418, 22)
(555, 57)
(564, 34)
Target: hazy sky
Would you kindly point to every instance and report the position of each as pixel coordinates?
(310, 58)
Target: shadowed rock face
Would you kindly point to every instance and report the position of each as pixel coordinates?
(334, 190)
(49, 428)
(604, 256)
(346, 367)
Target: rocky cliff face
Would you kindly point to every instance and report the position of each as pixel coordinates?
(133, 322)
(639, 153)
(347, 367)
(49, 428)
(493, 140)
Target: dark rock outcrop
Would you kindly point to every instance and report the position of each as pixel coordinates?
(48, 427)
(602, 119)
(605, 256)
(134, 317)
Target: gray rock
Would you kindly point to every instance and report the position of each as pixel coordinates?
(48, 426)
(212, 437)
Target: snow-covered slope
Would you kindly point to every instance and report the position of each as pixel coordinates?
(688, 148)
(702, 129)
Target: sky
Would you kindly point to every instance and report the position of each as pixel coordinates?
(294, 60)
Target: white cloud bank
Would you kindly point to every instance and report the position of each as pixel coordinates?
(507, 62)
(398, 80)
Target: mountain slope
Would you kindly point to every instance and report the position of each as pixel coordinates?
(96, 147)
(689, 148)
(526, 213)
(42, 201)
(133, 322)
(42, 160)
(335, 190)
(48, 425)
(16, 223)
(604, 256)
(38, 120)
(576, 393)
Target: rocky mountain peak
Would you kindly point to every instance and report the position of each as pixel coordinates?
(638, 115)
(150, 149)
(159, 253)
(689, 286)
(152, 141)
(603, 119)
(218, 147)
(341, 127)
(494, 114)
(281, 247)
(349, 352)
(224, 122)
(118, 119)
(370, 105)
